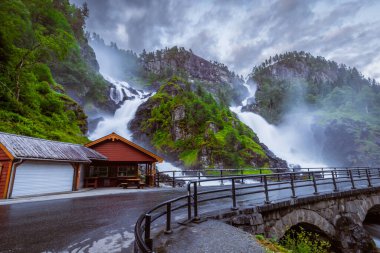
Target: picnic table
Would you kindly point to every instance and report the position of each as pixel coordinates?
(127, 182)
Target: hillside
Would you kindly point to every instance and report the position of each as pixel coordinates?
(345, 105)
(42, 49)
(193, 128)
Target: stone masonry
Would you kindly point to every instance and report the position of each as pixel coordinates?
(337, 215)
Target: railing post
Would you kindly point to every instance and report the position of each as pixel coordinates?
(323, 174)
(278, 177)
(158, 179)
(315, 184)
(242, 174)
(168, 218)
(292, 186)
(352, 179)
(334, 181)
(195, 202)
(199, 178)
(233, 195)
(221, 175)
(147, 239)
(173, 179)
(266, 190)
(368, 173)
(308, 171)
(359, 173)
(189, 201)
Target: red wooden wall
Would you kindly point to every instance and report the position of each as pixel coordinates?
(119, 151)
(6, 163)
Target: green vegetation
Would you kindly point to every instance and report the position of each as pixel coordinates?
(300, 241)
(270, 245)
(244, 171)
(303, 241)
(192, 124)
(34, 36)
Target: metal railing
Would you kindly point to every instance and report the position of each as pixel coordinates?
(175, 177)
(263, 184)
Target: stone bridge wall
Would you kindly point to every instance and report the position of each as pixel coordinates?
(338, 215)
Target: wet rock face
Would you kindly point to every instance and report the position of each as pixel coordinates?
(353, 237)
(93, 123)
(178, 127)
(89, 56)
(214, 77)
(178, 113)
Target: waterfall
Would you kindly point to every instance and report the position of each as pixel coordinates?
(292, 141)
(118, 123)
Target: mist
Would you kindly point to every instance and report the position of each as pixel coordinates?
(113, 61)
(294, 138)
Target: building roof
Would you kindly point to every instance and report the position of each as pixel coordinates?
(23, 147)
(114, 136)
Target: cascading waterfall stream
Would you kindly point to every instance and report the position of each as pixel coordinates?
(119, 121)
(291, 141)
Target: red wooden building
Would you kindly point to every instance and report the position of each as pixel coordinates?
(33, 166)
(127, 162)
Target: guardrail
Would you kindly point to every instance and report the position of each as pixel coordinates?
(265, 183)
(175, 177)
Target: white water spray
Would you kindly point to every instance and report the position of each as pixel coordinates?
(118, 123)
(291, 141)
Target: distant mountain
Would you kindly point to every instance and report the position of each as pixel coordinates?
(346, 105)
(150, 70)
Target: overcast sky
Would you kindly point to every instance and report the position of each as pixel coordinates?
(241, 34)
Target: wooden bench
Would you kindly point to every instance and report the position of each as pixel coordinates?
(138, 184)
(132, 182)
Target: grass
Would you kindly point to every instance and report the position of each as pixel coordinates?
(238, 172)
(270, 246)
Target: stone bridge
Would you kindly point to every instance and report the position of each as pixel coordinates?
(337, 215)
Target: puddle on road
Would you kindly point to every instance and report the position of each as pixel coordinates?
(115, 242)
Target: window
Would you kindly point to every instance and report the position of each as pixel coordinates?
(126, 171)
(98, 171)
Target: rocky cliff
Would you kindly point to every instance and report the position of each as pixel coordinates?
(150, 70)
(214, 77)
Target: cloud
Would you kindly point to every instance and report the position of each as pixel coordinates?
(243, 33)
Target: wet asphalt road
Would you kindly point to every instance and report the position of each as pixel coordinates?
(101, 223)
(88, 224)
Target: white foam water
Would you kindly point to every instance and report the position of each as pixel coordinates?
(291, 142)
(118, 122)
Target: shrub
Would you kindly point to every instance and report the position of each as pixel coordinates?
(302, 241)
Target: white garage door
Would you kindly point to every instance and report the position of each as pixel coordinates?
(34, 178)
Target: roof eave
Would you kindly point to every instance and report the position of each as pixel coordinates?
(118, 137)
(7, 152)
(53, 160)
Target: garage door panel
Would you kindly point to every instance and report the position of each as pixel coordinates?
(34, 178)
